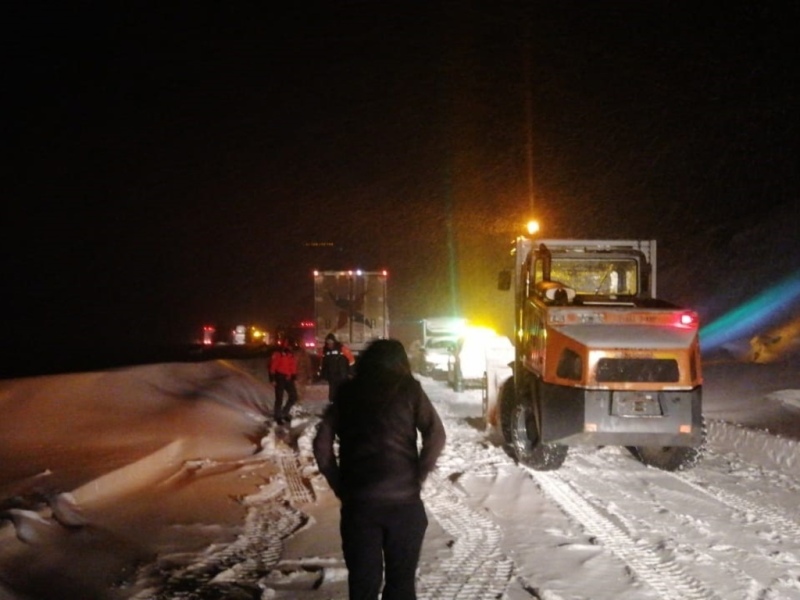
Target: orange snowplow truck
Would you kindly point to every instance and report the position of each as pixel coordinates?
(599, 361)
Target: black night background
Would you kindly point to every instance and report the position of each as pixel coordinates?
(173, 164)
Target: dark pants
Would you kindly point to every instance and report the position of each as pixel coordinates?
(284, 383)
(378, 538)
(333, 386)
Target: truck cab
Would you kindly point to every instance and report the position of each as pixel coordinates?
(599, 360)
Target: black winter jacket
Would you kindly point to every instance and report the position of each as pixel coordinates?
(335, 366)
(376, 421)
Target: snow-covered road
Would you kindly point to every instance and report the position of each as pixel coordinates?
(602, 527)
(605, 526)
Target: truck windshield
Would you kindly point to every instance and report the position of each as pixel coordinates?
(605, 277)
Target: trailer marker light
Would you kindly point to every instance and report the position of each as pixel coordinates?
(590, 427)
(685, 429)
(685, 320)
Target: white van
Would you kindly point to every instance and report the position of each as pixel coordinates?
(467, 365)
(436, 355)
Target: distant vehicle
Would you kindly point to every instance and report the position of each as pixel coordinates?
(600, 360)
(301, 333)
(436, 354)
(239, 335)
(442, 328)
(467, 364)
(209, 333)
(439, 338)
(256, 335)
(351, 305)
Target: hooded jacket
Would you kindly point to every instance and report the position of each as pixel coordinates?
(336, 361)
(376, 421)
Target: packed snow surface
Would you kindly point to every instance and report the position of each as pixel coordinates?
(171, 481)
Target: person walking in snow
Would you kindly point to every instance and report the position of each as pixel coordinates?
(337, 362)
(283, 375)
(379, 471)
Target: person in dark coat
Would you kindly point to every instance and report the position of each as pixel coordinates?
(337, 362)
(379, 470)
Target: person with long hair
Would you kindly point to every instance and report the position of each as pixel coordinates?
(379, 470)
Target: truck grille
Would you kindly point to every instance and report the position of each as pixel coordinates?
(637, 370)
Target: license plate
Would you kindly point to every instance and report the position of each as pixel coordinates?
(635, 404)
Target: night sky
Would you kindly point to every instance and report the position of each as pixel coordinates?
(176, 165)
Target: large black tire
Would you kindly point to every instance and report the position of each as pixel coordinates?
(667, 458)
(507, 401)
(671, 458)
(525, 442)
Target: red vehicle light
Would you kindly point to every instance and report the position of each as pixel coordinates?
(687, 319)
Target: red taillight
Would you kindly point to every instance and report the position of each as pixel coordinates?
(687, 319)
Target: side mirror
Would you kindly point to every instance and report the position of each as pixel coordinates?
(504, 280)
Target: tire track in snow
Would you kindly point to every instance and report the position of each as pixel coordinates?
(763, 513)
(299, 493)
(669, 572)
(477, 569)
(775, 548)
(233, 570)
(634, 523)
(225, 570)
(782, 526)
(731, 568)
(766, 514)
(668, 579)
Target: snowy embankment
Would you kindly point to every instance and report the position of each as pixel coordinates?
(176, 469)
(759, 447)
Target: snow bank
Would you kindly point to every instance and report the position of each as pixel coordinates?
(172, 467)
(762, 448)
(787, 397)
(102, 470)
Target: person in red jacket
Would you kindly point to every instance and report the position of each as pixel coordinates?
(283, 374)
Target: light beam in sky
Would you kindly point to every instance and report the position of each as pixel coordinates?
(746, 319)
